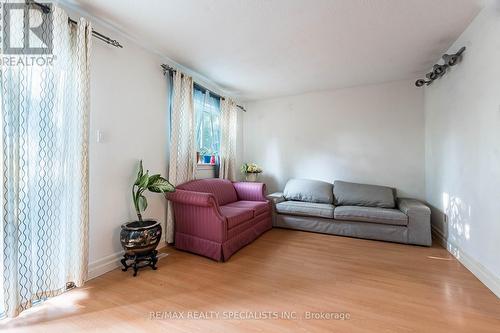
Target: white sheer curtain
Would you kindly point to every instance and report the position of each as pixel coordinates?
(228, 124)
(182, 141)
(44, 165)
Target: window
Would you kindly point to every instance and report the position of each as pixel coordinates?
(207, 114)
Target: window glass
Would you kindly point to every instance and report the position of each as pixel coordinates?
(207, 113)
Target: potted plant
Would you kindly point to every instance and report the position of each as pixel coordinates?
(139, 238)
(251, 171)
(206, 155)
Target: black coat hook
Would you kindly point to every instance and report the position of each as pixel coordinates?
(440, 70)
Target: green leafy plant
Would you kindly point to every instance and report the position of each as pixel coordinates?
(154, 183)
(205, 152)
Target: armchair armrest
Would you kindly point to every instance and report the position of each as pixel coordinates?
(197, 214)
(192, 198)
(419, 221)
(250, 191)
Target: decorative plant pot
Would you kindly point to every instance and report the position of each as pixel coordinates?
(139, 238)
(206, 159)
(252, 177)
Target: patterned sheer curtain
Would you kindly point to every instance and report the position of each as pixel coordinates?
(182, 139)
(228, 122)
(44, 197)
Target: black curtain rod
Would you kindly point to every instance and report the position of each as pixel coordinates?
(169, 69)
(46, 9)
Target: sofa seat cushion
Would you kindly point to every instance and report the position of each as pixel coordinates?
(353, 194)
(258, 207)
(305, 209)
(371, 214)
(236, 216)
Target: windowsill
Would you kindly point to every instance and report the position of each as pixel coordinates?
(204, 171)
(205, 166)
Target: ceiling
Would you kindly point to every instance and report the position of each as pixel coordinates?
(257, 49)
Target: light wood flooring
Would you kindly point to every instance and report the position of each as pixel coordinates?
(288, 275)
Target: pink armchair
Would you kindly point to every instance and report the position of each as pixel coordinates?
(215, 217)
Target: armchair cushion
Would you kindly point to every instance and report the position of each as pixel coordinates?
(258, 207)
(236, 216)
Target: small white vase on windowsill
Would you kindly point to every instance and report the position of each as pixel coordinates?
(252, 177)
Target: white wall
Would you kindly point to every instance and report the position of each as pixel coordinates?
(129, 106)
(463, 150)
(370, 134)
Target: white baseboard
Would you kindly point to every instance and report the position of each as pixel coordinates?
(108, 263)
(482, 273)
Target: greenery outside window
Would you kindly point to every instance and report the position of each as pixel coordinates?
(207, 115)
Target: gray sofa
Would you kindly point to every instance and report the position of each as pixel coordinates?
(350, 209)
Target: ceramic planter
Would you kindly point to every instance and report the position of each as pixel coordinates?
(140, 238)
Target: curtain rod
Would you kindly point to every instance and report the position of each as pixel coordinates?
(167, 68)
(46, 9)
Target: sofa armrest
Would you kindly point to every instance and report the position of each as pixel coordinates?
(198, 214)
(250, 191)
(192, 198)
(419, 221)
(276, 197)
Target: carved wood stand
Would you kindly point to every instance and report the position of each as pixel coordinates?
(138, 261)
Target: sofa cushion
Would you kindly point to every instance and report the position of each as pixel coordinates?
(305, 209)
(352, 194)
(308, 190)
(371, 214)
(258, 207)
(222, 189)
(236, 216)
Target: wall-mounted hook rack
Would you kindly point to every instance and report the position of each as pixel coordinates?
(439, 70)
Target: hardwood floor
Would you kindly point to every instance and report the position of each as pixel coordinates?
(381, 287)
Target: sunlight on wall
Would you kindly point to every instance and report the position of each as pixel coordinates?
(458, 215)
(446, 200)
(462, 150)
